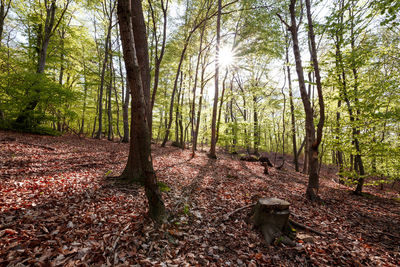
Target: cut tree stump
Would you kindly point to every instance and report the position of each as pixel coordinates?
(265, 160)
(271, 215)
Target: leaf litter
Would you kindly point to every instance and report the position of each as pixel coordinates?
(58, 208)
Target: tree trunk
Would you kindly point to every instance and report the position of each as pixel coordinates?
(202, 85)
(312, 189)
(140, 146)
(103, 73)
(215, 106)
(313, 181)
(4, 8)
(110, 133)
(220, 104)
(142, 51)
(125, 98)
(194, 121)
(85, 89)
(293, 120)
(171, 107)
(158, 58)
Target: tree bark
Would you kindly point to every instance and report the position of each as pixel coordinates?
(103, 72)
(140, 146)
(193, 110)
(215, 106)
(312, 189)
(4, 8)
(142, 50)
(293, 120)
(313, 181)
(125, 98)
(158, 58)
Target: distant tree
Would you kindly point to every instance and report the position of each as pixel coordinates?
(45, 31)
(4, 8)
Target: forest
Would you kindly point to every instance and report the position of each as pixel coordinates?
(199, 132)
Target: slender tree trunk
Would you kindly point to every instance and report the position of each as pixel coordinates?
(110, 133)
(140, 146)
(202, 85)
(313, 181)
(194, 121)
(171, 107)
(312, 189)
(158, 58)
(293, 119)
(215, 106)
(220, 104)
(256, 133)
(85, 89)
(125, 98)
(177, 112)
(103, 73)
(356, 131)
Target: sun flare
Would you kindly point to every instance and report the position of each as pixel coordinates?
(226, 57)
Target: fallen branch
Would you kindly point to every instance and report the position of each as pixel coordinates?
(226, 216)
(302, 226)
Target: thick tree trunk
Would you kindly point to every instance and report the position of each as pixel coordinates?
(140, 146)
(142, 50)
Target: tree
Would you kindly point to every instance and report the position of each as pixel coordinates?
(109, 13)
(44, 33)
(216, 77)
(139, 159)
(313, 137)
(4, 8)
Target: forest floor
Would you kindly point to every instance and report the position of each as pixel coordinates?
(58, 208)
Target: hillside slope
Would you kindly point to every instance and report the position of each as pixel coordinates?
(57, 207)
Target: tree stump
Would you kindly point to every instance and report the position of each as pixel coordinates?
(265, 165)
(271, 215)
(265, 160)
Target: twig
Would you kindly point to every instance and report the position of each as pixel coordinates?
(302, 226)
(226, 216)
(116, 242)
